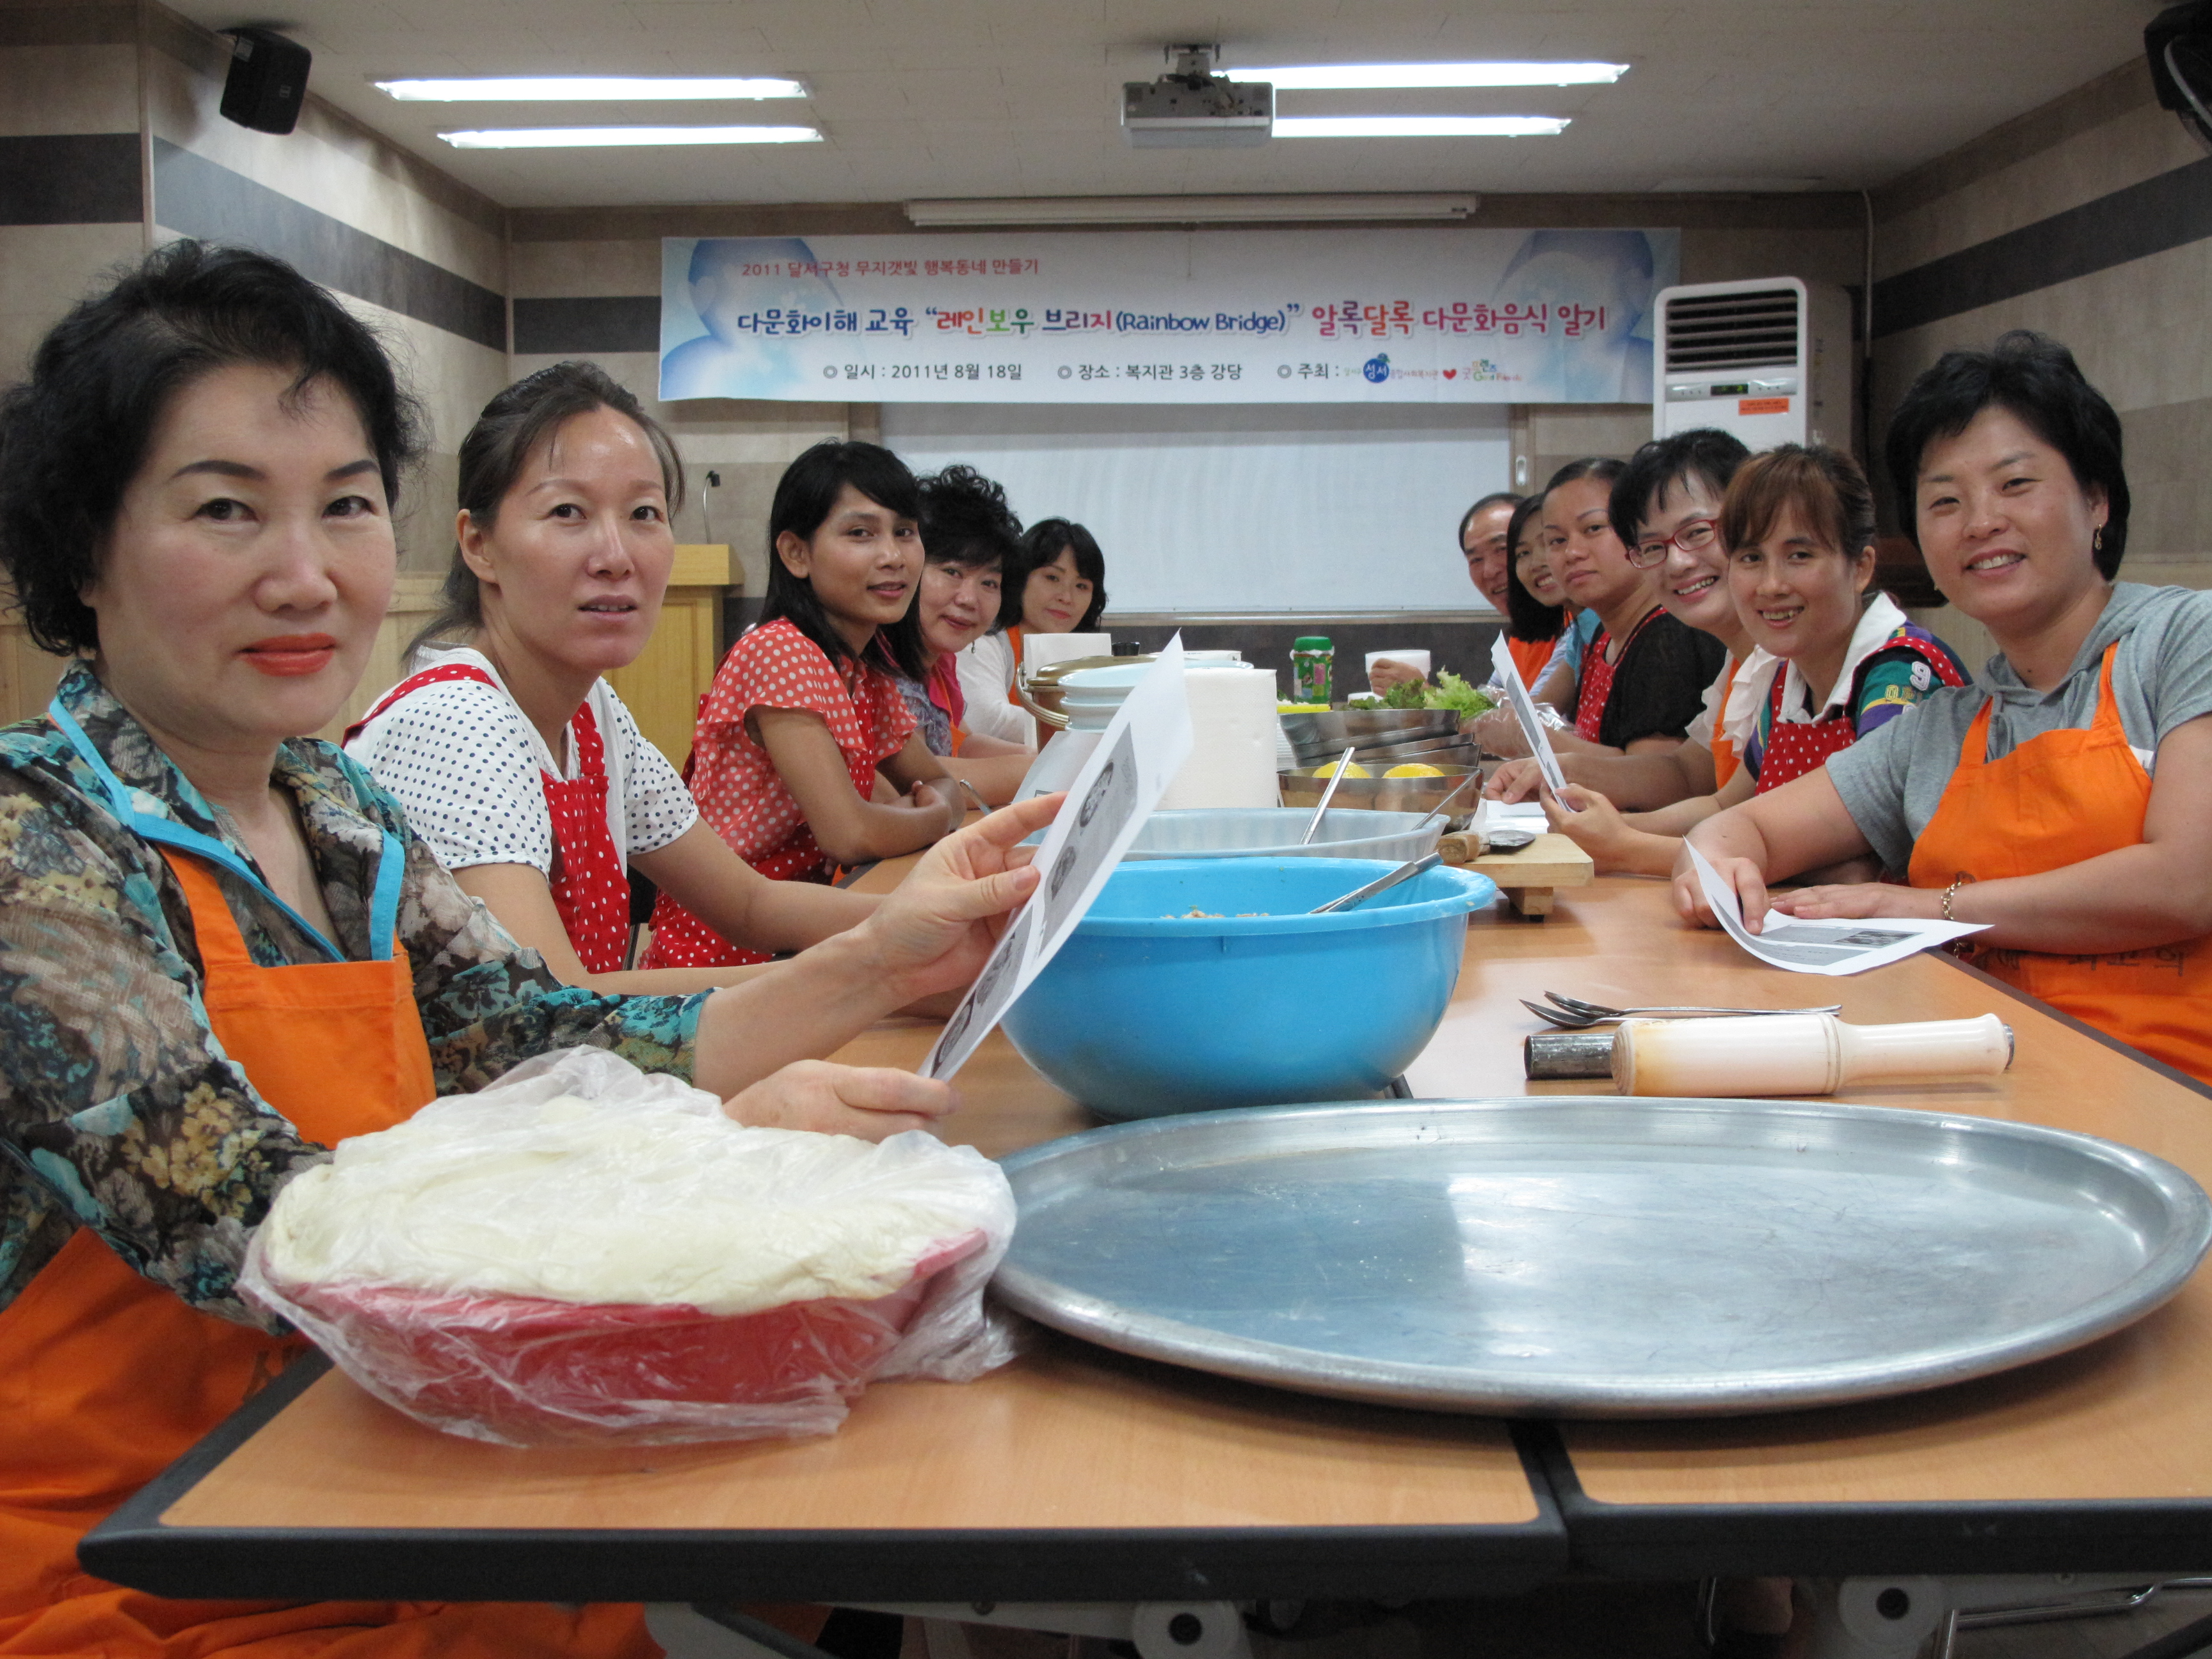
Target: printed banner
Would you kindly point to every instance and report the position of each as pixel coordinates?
(1147, 317)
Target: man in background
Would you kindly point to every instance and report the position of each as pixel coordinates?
(1489, 562)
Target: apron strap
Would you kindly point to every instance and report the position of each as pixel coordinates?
(457, 671)
(384, 902)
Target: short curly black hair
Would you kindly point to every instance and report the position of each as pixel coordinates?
(965, 521)
(74, 435)
(2036, 379)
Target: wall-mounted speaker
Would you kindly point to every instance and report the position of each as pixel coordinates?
(2178, 43)
(268, 81)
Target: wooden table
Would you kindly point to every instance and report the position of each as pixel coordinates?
(2099, 1459)
(1077, 1474)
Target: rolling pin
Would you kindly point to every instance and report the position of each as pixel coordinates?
(1798, 1053)
(1462, 846)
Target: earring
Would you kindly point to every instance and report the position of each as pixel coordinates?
(2097, 540)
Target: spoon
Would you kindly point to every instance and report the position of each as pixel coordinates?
(1335, 778)
(1358, 895)
(1472, 777)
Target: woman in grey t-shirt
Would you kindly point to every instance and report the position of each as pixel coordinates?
(2065, 800)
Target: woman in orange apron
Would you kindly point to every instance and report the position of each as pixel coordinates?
(221, 950)
(1058, 585)
(2062, 800)
(514, 759)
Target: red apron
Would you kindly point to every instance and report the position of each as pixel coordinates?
(590, 888)
(107, 1378)
(1597, 679)
(1794, 748)
(2055, 800)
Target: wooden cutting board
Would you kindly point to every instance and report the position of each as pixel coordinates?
(1527, 878)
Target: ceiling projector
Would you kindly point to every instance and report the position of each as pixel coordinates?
(1191, 107)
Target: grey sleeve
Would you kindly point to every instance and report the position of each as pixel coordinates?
(1870, 775)
(2177, 683)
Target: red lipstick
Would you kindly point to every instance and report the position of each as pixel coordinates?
(289, 655)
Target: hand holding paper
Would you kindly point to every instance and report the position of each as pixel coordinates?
(1822, 947)
(1524, 710)
(1105, 806)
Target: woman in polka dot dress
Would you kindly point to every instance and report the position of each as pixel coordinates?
(806, 709)
(514, 760)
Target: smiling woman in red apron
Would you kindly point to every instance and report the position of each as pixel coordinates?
(514, 759)
(2066, 799)
(221, 949)
(1830, 665)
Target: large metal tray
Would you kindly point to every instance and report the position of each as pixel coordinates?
(1593, 1257)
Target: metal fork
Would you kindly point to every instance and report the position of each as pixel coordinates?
(1573, 1014)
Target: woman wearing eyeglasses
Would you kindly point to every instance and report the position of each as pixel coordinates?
(1644, 678)
(1666, 505)
(1829, 666)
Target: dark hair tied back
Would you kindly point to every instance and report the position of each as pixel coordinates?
(2036, 379)
(804, 497)
(1527, 617)
(74, 435)
(1047, 540)
(500, 445)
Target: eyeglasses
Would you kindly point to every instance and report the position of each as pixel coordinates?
(1694, 536)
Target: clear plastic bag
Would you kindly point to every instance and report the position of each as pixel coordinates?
(458, 1266)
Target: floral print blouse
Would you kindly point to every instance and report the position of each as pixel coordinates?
(119, 1110)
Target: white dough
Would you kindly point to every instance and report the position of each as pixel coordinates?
(597, 1201)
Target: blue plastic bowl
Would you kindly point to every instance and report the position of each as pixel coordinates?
(1147, 1010)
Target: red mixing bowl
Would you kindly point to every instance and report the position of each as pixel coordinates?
(529, 1370)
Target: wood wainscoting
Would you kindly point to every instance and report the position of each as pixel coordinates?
(662, 688)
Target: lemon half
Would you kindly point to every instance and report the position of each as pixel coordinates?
(1414, 769)
(1354, 770)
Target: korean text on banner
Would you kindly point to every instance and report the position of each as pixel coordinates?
(1167, 317)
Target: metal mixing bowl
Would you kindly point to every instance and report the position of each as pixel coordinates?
(1382, 795)
(1361, 726)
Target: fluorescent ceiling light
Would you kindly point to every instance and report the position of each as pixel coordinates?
(1184, 209)
(1325, 77)
(1417, 126)
(578, 137)
(564, 88)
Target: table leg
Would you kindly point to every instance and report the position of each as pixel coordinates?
(1890, 1617)
(1158, 1630)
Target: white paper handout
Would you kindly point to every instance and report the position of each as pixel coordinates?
(1805, 946)
(1108, 803)
(1524, 710)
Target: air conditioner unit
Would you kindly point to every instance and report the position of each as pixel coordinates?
(1768, 360)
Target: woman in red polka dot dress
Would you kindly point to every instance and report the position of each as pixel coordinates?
(806, 709)
(514, 759)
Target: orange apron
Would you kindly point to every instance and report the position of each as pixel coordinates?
(1725, 759)
(107, 1378)
(1532, 657)
(2056, 799)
